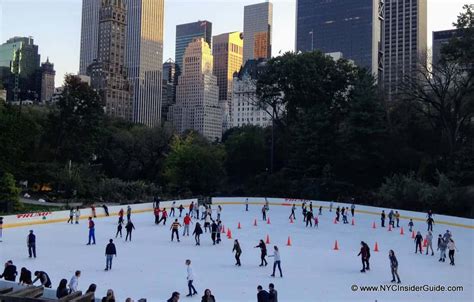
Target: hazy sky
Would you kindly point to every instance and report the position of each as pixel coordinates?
(56, 24)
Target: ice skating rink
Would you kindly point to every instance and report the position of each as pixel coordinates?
(152, 267)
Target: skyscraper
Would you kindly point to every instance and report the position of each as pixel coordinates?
(47, 81)
(144, 57)
(353, 28)
(440, 39)
(186, 33)
(197, 103)
(258, 26)
(227, 50)
(108, 72)
(89, 33)
(405, 41)
(169, 88)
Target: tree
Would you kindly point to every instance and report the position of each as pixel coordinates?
(193, 166)
(9, 198)
(77, 122)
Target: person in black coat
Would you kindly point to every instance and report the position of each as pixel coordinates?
(9, 273)
(382, 218)
(273, 293)
(214, 231)
(238, 252)
(25, 277)
(418, 241)
(62, 290)
(129, 227)
(174, 297)
(197, 233)
(43, 278)
(309, 218)
(110, 251)
(338, 210)
(393, 266)
(262, 295)
(263, 253)
(208, 297)
(31, 243)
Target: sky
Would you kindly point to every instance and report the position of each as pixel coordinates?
(55, 25)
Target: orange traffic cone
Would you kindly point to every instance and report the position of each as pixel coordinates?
(353, 221)
(238, 226)
(373, 225)
(336, 246)
(413, 235)
(401, 231)
(376, 248)
(288, 243)
(335, 221)
(389, 227)
(268, 240)
(268, 220)
(291, 219)
(425, 242)
(229, 234)
(255, 222)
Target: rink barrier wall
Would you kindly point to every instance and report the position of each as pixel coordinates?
(34, 218)
(361, 209)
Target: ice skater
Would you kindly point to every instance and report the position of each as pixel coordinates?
(246, 204)
(263, 253)
(219, 211)
(106, 210)
(173, 205)
(186, 222)
(316, 222)
(156, 212)
(214, 231)
(190, 278)
(304, 212)
(430, 222)
(365, 256)
(344, 217)
(219, 231)
(442, 245)
(91, 231)
(93, 211)
(120, 214)
(77, 214)
(180, 208)
(191, 208)
(119, 230)
(164, 216)
(110, 252)
(394, 266)
(452, 248)
(410, 225)
(174, 229)
(238, 252)
(31, 243)
(71, 216)
(429, 243)
(397, 218)
(320, 210)
(418, 241)
(390, 218)
(293, 208)
(129, 212)
(311, 206)
(197, 233)
(207, 223)
(353, 207)
(331, 204)
(264, 213)
(382, 218)
(309, 218)
(276, 261)
(129, 227)
(338, 213)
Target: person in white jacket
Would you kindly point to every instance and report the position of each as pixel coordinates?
(276, 260)
(190, 278)
(74, 283)
(78, 215)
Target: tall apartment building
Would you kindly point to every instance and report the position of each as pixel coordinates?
(244, 100)
(47, 81)
(227, 50)
(197, 101)
(353, 28)
(89, 34)
(168, 93)
(258, 27)
(108, 73)
(144, 57)
(186, 33)
(405, 41)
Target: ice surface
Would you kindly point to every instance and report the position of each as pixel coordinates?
(153, 267)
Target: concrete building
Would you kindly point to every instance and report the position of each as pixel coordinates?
(47, 81)
(144, 57)
(441, 38)
(186, 33)
(108, 72)
(405, 43)
(227, 50)
(197, 103)
(89, 34)
(353, 28)
(258, 27)
(244, 100)
(168, 93)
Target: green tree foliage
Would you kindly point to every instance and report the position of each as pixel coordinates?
(194, 166)
(9, 200)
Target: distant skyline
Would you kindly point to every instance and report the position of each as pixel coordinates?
(55, 25)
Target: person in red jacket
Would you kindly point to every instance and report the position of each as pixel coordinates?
(157, 215)
(164, 215)
(91, 231)
(120, 216)
(187, 222)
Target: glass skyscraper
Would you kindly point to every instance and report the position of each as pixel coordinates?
(353, 28)
(258, 23)
(89, 34)
(185, 34)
